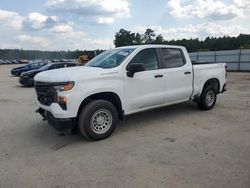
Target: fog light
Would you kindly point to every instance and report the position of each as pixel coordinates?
(62, 101)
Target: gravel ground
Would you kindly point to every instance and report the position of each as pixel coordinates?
(176, 146)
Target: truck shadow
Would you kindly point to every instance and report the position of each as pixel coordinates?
(168, 113)
(57, 141)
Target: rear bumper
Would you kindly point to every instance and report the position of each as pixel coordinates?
(224, 88)
(60, 124)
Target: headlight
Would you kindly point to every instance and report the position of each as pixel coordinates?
(65, 87)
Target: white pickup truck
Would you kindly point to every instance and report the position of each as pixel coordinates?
(124, 81)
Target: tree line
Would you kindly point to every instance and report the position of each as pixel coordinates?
(124, 38)
(11, 54)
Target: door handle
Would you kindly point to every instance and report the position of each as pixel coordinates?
(158, 76)
(188, 72)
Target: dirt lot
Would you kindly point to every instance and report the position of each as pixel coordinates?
(177, 146)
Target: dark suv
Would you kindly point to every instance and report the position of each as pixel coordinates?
(27, 78)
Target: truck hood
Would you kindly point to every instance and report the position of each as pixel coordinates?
(71, 74)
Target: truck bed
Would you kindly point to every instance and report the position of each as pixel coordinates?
(204, 62)
(204, 71)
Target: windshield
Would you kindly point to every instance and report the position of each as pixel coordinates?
(45, 67)
(110, 58)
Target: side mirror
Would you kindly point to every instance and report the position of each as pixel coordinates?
(133, 68)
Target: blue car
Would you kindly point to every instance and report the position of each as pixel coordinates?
(30, 66)
(27, 78)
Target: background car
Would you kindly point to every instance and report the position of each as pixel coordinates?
(27, 78)
(14, 61)
(30, 66)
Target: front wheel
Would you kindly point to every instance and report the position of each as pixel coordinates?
(98, 120)
(208, 98)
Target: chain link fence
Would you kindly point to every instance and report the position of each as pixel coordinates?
(237, 60)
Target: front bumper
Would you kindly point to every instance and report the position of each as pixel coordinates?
(14, 73)
(26, 81)
(48, 99)
(60, 124)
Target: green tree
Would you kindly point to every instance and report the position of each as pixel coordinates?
(138, 39)
(124, 38)
(149, 36)
(159, 39)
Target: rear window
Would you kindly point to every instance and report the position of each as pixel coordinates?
(172, 58)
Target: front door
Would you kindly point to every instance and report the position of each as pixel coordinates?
(145, 89)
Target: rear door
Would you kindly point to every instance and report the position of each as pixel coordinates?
(178, 75)
(145, 89)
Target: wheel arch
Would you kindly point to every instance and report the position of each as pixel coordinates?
(214, 82)
(108, 96)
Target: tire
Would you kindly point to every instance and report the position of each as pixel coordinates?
(98, 120)
(208, 98)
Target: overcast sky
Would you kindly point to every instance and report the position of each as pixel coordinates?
(91, 24)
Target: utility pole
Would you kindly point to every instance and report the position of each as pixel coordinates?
(239, 60)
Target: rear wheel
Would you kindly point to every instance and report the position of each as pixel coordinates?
(98, 120)
(208, 98)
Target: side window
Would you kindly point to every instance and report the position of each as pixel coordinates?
(55, 66)
(69, 65)
(172, 58)
(60, 65)
(148, 57)
(41, 64)
(52, 67)
(34, 65)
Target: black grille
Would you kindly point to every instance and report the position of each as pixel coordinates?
(46, 94)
